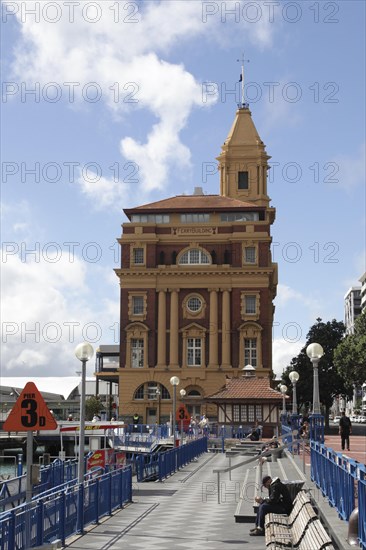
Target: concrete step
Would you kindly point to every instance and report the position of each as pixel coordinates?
(284, 468)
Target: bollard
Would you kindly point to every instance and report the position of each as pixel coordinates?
(20, 465)
(353, 528)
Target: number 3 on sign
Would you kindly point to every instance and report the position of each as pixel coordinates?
(30, 418)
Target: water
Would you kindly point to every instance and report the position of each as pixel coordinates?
(8, 467)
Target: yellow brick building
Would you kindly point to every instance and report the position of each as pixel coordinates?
(197, 286)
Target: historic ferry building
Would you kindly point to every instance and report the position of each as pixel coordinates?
(197, 287)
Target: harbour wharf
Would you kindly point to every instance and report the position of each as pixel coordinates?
(184, 512)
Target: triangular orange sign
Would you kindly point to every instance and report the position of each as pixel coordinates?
(182, 414)
(30, 412)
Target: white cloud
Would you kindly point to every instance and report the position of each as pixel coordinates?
(122, 53)
(286, 294)
(283, 351)
(45, 311)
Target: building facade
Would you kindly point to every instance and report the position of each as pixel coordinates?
(352, 308)
(197, 286)
(362, 280)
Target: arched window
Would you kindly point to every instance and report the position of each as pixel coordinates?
(194, 393)
(194, 256)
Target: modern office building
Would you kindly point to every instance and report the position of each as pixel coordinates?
(352, 308)
(197, 287)
(362, 280)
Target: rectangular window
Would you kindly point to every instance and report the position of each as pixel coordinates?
(194, 352)
(258, 412)
(251, 416)
(239, 217)
(194, 218)
(137, 305)
(250, 305)
(138, 256)
(243, 413)
(151, 391)
(243, 180)
(236, 413)
(137, 353)
(250, 351)
(249, 254)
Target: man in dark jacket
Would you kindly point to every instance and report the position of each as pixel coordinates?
(345, 429)
(278, 502)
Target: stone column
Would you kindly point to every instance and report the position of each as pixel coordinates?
(162, 329)
(213, 333)
(174, 337)
(226, 329)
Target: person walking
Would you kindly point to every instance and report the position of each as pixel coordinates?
(278, 502)
(345, 429)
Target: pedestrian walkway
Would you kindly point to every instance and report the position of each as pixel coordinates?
(183, 513)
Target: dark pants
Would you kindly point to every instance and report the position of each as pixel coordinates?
(266, 508)
(345, 441)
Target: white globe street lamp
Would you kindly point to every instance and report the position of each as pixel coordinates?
(283, 390)
(294, 377)
(174, 382)
(315, 352)
(83, 352)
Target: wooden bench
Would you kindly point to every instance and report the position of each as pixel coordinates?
(301, 529)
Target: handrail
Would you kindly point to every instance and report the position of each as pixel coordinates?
(252, 459)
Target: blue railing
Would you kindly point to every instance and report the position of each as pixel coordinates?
(170, 461)
(338, 478)
(160, 465)
(12, 491)
(64, 513)
(289, 425)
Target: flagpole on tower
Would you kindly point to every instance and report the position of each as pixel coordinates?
(241, 79)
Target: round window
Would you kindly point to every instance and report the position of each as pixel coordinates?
(194, 304)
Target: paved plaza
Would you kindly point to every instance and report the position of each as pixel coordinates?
(183, 513)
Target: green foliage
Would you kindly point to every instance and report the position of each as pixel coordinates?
(331, 382)
(93, 406)
(350, 354)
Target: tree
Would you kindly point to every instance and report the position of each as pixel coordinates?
(331, 382)
(350, 354)
(93, 405)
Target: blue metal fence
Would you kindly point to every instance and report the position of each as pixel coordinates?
(340, 479)
(171, 461)
(66, 512)
(12, 491)
(160, 465)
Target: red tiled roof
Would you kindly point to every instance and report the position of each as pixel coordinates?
(200, 202)
(247, 388)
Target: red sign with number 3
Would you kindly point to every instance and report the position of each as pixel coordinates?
(30, 412)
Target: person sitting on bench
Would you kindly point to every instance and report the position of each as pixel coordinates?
(278, 502)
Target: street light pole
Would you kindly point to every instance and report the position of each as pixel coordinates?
(182, 394)
(157, 391)
(315, 352)
(83, 352)
(174, 382)
(294, 377)
(283, 390)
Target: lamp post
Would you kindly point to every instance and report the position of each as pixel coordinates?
(83, 352)
(157, 391)
(182, 395)
(174, 382)
(294, 377)
(315, 352)
(283, 390)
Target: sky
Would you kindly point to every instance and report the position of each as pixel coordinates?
(110, 105)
